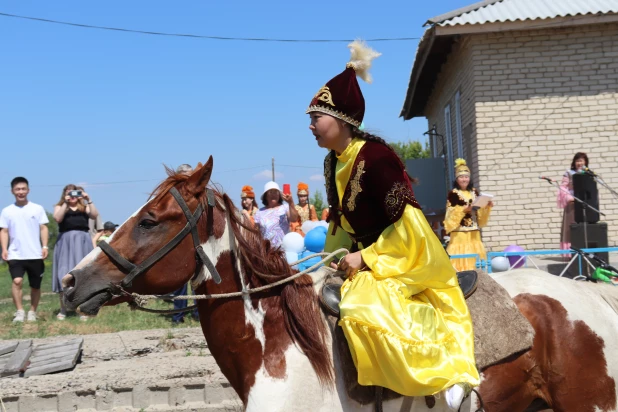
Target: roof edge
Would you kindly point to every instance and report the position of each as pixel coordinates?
(460, 11)
(424, 48)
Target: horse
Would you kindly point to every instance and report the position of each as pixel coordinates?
(274, 346)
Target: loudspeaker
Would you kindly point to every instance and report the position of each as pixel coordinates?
(585, 188)
(597, 238)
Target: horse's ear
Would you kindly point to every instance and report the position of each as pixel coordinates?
(197, 182)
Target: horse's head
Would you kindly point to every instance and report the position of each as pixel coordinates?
(153, 252)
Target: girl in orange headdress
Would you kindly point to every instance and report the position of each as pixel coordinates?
(249, 205)
(304, 209)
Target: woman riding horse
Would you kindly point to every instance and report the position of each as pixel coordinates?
(402, 311)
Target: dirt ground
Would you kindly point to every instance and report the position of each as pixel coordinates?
(125, 360)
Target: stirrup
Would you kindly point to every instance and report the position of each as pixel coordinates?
(467, 282)
(330, 297)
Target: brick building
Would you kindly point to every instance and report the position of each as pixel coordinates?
(517, 87)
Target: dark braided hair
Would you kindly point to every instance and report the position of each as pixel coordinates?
(331, 195)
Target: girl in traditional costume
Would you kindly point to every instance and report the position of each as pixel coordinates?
(402, 311)
(463, 222)
(305, 210)
(249, 205)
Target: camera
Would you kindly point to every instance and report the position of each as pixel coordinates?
(75, 193)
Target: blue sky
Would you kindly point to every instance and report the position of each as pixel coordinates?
(108, 109)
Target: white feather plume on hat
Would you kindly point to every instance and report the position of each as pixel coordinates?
(361, 58)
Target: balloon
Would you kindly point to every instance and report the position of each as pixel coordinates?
(291, 257)
(310, 262)
(500, 264)
(293, 242)
(315, 240)
(513, 260)
(322, 229)
(323, 223)
(308, 226)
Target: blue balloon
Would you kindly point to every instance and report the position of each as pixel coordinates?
(315, 240)
(310, 262)
(322, 229)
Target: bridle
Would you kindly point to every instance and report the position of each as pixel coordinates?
(132, 270)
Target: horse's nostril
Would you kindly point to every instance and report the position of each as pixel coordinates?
(68, 281)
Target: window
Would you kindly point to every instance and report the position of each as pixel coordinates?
(449, 143)
(458, 129)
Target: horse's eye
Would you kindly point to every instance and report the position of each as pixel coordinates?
(147, 224)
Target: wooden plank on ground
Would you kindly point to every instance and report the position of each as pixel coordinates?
(55, 355)
(36, 352)
(4, 359)
(19, 359)
(56, 359)
(8, 348)
(56, 344)
(50, 368)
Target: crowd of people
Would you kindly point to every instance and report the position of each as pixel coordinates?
(24, 237)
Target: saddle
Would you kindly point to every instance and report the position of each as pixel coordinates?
(489, 305)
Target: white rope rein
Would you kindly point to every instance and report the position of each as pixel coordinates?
(143, 299)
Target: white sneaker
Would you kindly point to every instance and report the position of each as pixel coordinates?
(31, 316)
(19, 316)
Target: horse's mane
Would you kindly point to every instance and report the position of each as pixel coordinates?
(264, 265)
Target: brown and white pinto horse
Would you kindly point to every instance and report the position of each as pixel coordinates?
(274, 347)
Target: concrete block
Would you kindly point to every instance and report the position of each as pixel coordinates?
(123, 397)
(159, 395)
(195, 393)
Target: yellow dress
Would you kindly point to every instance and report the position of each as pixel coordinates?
(464, 231)
(404, 317)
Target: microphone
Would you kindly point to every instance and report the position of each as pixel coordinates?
(588, 171)
(546, 178)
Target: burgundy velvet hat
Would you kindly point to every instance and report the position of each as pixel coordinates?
(342, 97)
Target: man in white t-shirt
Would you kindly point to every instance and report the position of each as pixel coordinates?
(24, 236)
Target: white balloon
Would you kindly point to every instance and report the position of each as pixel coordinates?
(308, 226)
(500, 264)
(291, 257)
(293, 242)
(323, 223)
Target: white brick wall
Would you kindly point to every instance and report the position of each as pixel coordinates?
(537, 97)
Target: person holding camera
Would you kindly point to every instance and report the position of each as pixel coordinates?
(72, 213)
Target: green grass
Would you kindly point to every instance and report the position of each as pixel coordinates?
(109, 319)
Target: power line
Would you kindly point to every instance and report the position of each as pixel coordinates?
(300, 167)
(199, 36)
(118, 182)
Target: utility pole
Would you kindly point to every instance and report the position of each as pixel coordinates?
(273, 169)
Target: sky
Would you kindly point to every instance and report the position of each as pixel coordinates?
(107, 109)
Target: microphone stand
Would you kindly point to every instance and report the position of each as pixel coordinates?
(605, 185)
(584, 207)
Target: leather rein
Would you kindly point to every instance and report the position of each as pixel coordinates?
(133, 270)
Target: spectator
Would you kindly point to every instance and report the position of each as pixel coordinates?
(24, 236)
(305, 210)
(95, 226)
(275, 217)
(108, 229)
(72, 213)
(249, 205)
